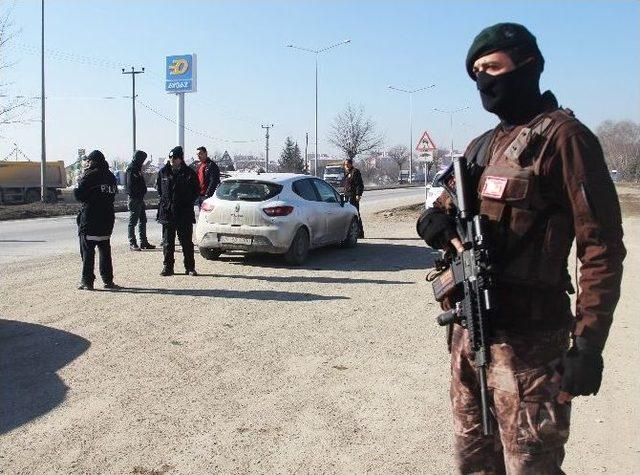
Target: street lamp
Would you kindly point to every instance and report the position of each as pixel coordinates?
(410, 92)
(317, 52)
(451, 112)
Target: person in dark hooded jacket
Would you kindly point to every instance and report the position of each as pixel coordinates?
(136, 188)
(96, 191)
(178, 189)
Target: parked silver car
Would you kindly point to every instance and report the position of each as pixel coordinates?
(278, 213)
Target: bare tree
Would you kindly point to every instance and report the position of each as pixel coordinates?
(353, 133)
(620, 142)
(9, 107)
(398, 155)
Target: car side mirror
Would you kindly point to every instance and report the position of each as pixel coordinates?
(342, 200)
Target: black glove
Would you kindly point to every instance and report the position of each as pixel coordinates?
(436, 227)
(582, 369)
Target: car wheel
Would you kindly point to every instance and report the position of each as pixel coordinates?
(210, 254)
(299, 248)
(352, 234)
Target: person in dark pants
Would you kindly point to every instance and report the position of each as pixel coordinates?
(353, 188)
(96, 191)
(208, 175)
(136, 188)
(177, 187)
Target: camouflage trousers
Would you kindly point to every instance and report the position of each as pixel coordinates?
(531, 428)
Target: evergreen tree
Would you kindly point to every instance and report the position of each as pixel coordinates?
(291, 159)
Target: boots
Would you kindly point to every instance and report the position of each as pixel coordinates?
(133, 246)
(146, 245)
(166, 271)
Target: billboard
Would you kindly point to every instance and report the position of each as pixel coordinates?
(180, 73)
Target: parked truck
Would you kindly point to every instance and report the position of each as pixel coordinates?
(20, 181)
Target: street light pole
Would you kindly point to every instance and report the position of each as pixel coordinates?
(317, 52)
(43, 151)
(451, 112)
(133, 73)
(411, 92)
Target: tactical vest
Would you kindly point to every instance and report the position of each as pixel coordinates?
(533, 233)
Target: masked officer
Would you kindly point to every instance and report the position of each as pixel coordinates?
(136, 188)
(96, 191)
(177, 187)
(541, 179)
(353, 188)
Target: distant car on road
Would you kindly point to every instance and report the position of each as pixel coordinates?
(278, 213)
(334, 175)
(433, 191)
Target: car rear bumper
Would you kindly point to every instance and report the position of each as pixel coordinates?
(273, 240)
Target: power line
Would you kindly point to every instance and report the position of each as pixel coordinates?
(190, 129)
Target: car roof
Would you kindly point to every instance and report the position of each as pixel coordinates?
(269, 177)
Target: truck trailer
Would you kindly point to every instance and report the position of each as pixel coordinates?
(20, 181)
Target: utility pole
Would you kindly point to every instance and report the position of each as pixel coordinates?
(43, 157)
(266, 165)
(306, 154)
(133, 73)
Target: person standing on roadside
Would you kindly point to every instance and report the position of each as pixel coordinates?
(96, 191)
(208, 175)
(178, 189)
(353, 189)
(540, 179)
(136, 188)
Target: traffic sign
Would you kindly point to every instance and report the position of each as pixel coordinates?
(425, 144)
(180, 73)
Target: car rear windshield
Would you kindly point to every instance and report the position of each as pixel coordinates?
(334, 170)
(247, 190)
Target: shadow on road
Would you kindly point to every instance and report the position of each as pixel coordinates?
(313, 280)
(278, 296)
(365, 257)
(30, 355)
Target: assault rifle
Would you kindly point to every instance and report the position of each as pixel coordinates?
(465, 278)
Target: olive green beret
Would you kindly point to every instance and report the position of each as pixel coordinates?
(500, 37)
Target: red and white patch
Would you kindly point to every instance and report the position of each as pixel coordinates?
(494, 187)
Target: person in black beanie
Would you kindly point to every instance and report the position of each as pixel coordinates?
(96, 191)
(178, 189)
(136, 188)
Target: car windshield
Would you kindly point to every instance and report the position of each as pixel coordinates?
(247, 190)
(334, 170)
(436, 178)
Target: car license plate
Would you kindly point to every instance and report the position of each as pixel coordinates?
(236, 240)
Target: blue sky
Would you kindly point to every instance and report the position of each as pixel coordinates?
(247, 77)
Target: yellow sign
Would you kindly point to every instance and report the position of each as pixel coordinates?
(179, 67)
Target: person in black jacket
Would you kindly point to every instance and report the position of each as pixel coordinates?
(136, 188)
(177, 187)
(208, 175)
(96, 191)
(353, 188)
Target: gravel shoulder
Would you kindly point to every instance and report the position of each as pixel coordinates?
(257, 367)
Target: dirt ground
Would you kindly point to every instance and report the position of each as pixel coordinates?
(256, 367)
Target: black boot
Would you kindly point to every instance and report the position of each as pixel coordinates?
(166, 271)
(146, 245)
(85, 286)
(134, 246)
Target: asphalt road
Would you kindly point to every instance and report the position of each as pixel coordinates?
(48, 237)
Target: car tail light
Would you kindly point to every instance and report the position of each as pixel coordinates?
(206, 206)
(278, 210)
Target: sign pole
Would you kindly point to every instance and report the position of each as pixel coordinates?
(180, 119)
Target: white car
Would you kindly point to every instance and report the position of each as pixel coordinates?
(433, 191)
(278, 213)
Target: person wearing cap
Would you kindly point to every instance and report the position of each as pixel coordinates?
(541, 179)
(178, 188)
(96, 191)
(208, 175)
(136, 188)
(353, 189)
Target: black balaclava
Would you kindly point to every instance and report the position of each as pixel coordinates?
(514, 96)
